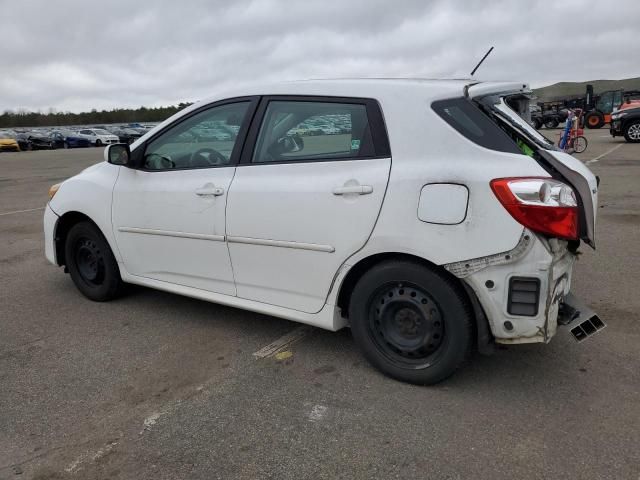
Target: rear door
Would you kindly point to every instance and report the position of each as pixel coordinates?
(305, 196)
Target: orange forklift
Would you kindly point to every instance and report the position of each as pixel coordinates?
(599, 107)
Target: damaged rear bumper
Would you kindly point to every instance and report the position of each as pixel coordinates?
(522, 291)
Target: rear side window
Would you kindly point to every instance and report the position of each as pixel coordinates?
(294, 131)
(471, 122)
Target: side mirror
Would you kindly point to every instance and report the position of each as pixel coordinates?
(117, 154)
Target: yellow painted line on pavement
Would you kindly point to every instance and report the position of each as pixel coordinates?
(283, 342)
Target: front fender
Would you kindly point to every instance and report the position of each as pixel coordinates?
(90, 193)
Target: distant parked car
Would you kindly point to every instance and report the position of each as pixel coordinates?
(126, 134)
(68, 139)
(98, 136)
(39, 140)
(626, 122)
(23, 141)
(8, 141)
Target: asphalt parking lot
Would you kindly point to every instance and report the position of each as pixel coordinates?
(157, 386)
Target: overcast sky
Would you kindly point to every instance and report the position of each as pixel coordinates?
(77, 55)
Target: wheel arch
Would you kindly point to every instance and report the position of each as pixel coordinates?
(482, 329)
(63, 225)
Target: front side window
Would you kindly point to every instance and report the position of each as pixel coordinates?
(308, 130)
(203, 140)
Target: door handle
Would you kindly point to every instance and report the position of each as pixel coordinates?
(209, 190)
(356, 189)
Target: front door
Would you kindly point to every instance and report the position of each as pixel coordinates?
(306, 197)
(169, 214)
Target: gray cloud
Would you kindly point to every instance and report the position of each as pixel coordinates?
(76, 55)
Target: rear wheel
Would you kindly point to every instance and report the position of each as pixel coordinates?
(411, 322)
(632, 132)
(594, 120)
(98, 143)
(580, 144)
(91, 263)
(551, 123)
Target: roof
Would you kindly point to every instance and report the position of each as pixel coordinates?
(347, 87)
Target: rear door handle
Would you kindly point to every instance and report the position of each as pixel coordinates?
(208, 190)
(357, 189)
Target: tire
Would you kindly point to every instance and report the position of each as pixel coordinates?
(411, 322)
(632, 132)
(551, 123)
(91, 263)
(537, 123)
(98, 143)
(580, 144)
(594, 120)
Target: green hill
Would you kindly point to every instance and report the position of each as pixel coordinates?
(569, 89)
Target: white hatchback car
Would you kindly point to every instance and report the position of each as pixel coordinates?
(437, 220)
(98, 136)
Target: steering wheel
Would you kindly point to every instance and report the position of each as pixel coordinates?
(200, 160)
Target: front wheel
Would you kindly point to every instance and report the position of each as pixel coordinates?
(91, 263)
(98, 143)
(632, 132)
(411, 322)
(580, 144)
(551, 123)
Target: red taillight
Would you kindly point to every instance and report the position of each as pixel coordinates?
(543, 205)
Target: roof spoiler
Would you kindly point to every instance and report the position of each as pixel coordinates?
(483, 89)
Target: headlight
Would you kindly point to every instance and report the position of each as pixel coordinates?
(53, 190)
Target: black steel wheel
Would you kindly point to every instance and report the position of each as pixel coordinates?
(89, 260)
(412, 322)
(91, 263)
(406, 324)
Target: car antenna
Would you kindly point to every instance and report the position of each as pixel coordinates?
(480, 62)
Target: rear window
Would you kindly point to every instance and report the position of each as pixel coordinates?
(470, 121)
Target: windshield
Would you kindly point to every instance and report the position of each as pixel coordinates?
(99, 131)
(504, 113)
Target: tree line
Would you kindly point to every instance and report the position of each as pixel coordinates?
(23, 118)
